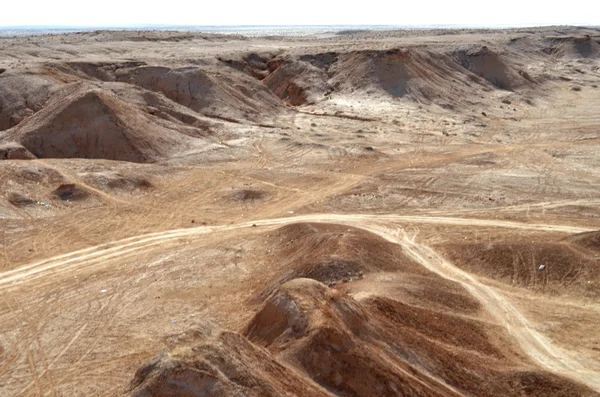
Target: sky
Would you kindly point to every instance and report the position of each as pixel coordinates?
(114, 13)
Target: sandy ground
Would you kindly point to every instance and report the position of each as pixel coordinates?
(153, 181)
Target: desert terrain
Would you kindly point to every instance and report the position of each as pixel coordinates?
(385, 213)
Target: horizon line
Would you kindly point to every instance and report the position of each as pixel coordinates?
(165, 25)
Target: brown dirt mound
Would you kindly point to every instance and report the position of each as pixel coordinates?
(30, 174)
(132, 183)
(413, 73)
(91, 123)
(425, 76)
(249, 195)
(298, 82)
(323, 334)
(158, 105)
(333, 253)
(518, 263)
(25, 183)
(256, 65)
(19, 200)
(461, 352)
(21, 96)
(71, 192)
(228, 96)
(222, 364)
(384, 347)
(574, 47)
(492, 67)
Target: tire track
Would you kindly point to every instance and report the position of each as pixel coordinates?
(535, 345)
(539, 348)
(75, 259)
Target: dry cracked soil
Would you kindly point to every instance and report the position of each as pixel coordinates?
(354, 213)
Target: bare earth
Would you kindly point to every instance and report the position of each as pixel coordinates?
(403, 213)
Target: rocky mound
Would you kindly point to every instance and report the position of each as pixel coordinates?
(253, 64)
(384, 347)
(308, 339)
(298, 82)
(87, 122)
(334, 339)
(326, 336)
(219, 364)
(333, 254)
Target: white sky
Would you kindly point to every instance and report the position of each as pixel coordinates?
(303, 12)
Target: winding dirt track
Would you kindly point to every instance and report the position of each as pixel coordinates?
(535, 345)
(83, 257)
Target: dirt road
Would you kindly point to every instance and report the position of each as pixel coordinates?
(88, 256)
(539, 348)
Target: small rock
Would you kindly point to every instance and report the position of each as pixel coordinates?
(542, 267)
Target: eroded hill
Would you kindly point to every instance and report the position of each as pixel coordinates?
(355, 213)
